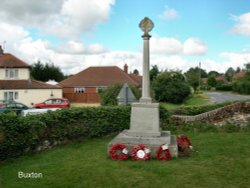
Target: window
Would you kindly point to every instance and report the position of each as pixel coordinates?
(10, 95)
(79, 90)
(11, 73)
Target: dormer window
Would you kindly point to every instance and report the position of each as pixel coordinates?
(11, 73)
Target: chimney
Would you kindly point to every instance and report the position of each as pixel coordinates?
(1, 50)
(125, 68)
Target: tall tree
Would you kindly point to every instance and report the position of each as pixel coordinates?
(229, 74)
(154, 71)
(213, 73)
(194, 75)
(46, 72)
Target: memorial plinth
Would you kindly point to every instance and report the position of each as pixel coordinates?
(145, 120)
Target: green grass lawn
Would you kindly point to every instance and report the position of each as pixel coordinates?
(195, 100)
(218, 160)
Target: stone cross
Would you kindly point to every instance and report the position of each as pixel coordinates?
(146, 26)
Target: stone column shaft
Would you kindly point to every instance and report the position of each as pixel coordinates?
(146, 98)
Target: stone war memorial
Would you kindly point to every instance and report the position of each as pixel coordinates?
(144, 139)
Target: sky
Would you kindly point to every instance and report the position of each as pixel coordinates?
(76, 34)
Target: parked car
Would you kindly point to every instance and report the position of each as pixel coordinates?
(12, 107)
(35, 111)
(53, 103)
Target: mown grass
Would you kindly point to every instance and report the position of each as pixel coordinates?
(194, 100)
(219, 159)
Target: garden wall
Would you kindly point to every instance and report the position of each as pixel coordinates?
(217, 115)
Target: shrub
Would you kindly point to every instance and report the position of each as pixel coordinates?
(195, 110)
(242, 86)
(22, 134)
(224, 87)
(171, 87)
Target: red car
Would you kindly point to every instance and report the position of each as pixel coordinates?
(53, 103)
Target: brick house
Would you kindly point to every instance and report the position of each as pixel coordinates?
(84, 86)
(15, 82)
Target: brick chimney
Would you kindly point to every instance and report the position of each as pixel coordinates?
(125, 68)
(1, 50)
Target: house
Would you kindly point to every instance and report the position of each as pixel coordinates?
(85, 85)
(15, 82)
(238, 75)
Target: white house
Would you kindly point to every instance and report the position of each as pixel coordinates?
(15, 82)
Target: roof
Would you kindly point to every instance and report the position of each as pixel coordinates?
(10, 61)
(99, 76)
(25, 84)
(240, 74)
(136, 78)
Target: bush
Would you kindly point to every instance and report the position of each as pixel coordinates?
(242, 86)
(109, 95)
(224, 87)
(171, 87)
(22, 134)
(195, 110)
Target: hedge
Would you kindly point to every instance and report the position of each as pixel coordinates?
(22, 134)
(195, 110)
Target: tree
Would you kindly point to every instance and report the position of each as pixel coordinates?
(229, 74)
(136, 72)
(193, 76)
(171, 87)
(213, 73)
(211, 81)
(46, 72)
(153, 72)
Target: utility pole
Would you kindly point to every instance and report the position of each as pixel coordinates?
(199, 75)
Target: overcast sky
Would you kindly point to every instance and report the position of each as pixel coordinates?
(76, 34)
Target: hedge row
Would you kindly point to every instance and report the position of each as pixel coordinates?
(195, 110)
(21, 134)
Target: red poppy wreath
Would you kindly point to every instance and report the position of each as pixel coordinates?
(140, 152)
(118, 152)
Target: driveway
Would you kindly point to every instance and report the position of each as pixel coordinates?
(219, 97)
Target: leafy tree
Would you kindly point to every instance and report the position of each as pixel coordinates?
(136, 72)
(193, 76)
(211, 81)
(238, 69)
(229, 74)
(154, 72)
(46, 72)
(213, 73)
(171, 87)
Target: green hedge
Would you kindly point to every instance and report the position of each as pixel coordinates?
(195, 110)
(21, 134)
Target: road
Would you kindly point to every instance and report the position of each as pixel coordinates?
(219, 97)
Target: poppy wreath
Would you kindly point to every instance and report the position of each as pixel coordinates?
(118, 152)
(163, 153)
(140, 152)
(183, 142)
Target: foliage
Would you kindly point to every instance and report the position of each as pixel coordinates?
(109, 95)
(46, 72)
(211, 81)
(136, 72)
(27, 133)
(194, 75)
(224, 87)
(242, 85)
(229, 74)
(171, 87)
(154, 71)
(213, 73)
(195, 110)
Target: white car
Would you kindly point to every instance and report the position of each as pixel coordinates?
(35, 111)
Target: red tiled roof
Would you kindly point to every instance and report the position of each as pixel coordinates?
(239, 74)
(136, 78)
(10, 61)
(25, 84)
(98, 76)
